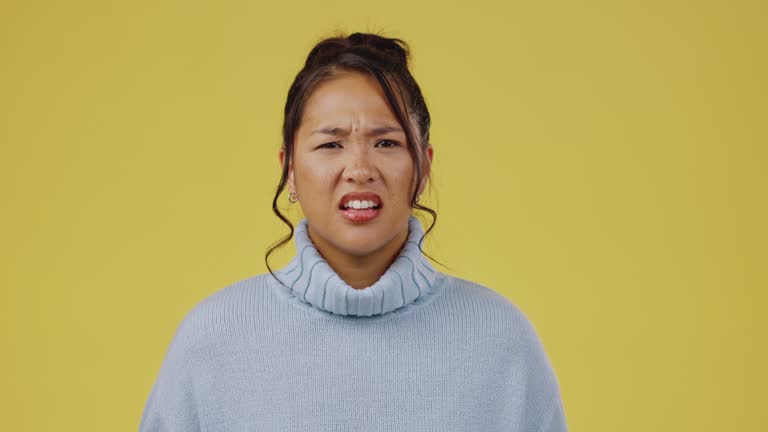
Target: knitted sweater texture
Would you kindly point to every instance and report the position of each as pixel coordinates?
(419, 350)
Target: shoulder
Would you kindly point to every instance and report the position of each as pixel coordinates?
(480, 302)
(224, 310)
(485, 316)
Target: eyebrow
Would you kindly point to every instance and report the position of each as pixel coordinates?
(371, 132)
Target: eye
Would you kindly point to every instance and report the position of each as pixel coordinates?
(383, 143)
(389, 143)
(329, 145)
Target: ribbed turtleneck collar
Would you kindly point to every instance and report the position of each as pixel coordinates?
(312, 280)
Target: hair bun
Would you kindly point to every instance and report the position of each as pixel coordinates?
(390, 50)
(394, 47)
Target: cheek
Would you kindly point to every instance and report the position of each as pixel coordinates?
(316, 179)
(400, 178)
(308, 174)
(313, 179)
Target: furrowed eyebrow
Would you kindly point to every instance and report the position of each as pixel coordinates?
(371, 132)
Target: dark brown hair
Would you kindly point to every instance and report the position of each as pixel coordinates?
(385, 59)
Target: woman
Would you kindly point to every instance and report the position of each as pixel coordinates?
(358, 331)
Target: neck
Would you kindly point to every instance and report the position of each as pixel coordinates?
(360, 271)
(310, 281)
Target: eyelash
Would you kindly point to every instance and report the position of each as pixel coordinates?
(327, 145)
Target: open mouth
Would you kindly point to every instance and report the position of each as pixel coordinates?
(360, 204)
(360, 215)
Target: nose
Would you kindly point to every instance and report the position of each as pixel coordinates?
(359, 168)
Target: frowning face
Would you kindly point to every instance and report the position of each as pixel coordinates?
(351, 168)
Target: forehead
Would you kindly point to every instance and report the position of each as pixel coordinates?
(347, 97)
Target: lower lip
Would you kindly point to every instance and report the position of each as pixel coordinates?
(360, 215)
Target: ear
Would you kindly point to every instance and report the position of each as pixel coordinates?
(290, 183)
(427, 169)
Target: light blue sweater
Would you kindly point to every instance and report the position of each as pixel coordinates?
(417, 351)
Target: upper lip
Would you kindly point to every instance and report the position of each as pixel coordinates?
(362, 196)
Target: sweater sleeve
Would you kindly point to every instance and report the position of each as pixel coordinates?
(544, 407)
(172, 403)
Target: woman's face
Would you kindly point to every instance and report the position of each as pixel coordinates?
(350, 141)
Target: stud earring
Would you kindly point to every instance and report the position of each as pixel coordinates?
(292, 197)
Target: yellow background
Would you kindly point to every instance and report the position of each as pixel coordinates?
(600, 163)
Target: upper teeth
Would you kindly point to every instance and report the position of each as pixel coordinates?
(358, 204)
